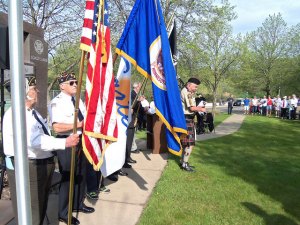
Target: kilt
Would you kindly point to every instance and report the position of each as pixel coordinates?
(189, 139)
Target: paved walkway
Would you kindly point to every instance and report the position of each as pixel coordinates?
(229, 126)
(128, 197)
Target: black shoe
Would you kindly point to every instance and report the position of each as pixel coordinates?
(189, 165)
(130, 160)
(122, 173)
(85, 209)
(126, 165)
(187, 168)
(73, 220)
(137, 151)
(113, 177)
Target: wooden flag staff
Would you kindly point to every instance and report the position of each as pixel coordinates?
(72, 169)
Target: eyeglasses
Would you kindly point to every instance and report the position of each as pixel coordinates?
(71, 83)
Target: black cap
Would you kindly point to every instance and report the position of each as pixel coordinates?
(63, 77)
(194, 81)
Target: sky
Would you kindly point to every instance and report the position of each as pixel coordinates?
(252, 13)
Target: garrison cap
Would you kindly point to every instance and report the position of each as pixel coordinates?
(63, 77)
(31, 81)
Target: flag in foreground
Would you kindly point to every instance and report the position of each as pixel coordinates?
(145, 44)
(114, 157)
(100, 125)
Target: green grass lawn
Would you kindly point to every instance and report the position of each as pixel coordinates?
(250, 177)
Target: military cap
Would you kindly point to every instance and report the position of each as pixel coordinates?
(63, 77)
(31, 81)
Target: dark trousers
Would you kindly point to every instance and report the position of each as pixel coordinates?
(200, 124)
(64, 161)
(283, 112)
(293, 113)
(130, 136)
(264, 110)
(230, 109)
(40, 176)
(92, 178)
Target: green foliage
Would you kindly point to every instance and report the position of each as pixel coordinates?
(250, 177)
(67, 58)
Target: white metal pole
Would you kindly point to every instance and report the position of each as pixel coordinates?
(15, 26)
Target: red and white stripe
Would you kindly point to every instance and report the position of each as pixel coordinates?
(101, 117)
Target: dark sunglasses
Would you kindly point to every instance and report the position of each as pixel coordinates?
(71, 83)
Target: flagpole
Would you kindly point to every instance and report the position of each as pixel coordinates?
(72, 169)
(15, 24)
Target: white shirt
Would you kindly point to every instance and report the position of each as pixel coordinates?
(254, 101)
(152, 108)
(39, 144)
(145, 103)
(264, 102)
(294, 102)
(61, 110)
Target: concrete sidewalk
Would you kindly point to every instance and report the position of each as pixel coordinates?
(228, 126)
(129, 195)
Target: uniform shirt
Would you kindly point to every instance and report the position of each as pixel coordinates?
(61, 110)
(39, 144)
(187, 100)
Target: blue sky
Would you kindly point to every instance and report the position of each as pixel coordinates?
(252, 13)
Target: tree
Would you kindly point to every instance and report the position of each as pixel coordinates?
(269, 45)
(217, 49)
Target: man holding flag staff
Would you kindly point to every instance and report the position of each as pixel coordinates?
(40, 158)
(62, 118)
(189, 108)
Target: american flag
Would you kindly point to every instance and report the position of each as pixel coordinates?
(100, 125)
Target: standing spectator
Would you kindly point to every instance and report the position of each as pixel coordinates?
(62, 109)
(284, 107)
(200, 101)
(263, 103)
(246, 105)
(294, 102)
(254, 105)
(230, 104)
(136, 106)
(189, 109)
(40, 158)
(277, 104)
(269, 106)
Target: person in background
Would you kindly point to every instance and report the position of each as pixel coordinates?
(263, 103)
(277, 104)
(254, 105)
(189, 109)
(230, 105)
(246, 105)
(200, 101)
(294, 102)
(284, 107)
(40, 158)
(62, 109)
(269, 106)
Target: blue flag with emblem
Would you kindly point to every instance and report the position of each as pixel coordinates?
(145, 44)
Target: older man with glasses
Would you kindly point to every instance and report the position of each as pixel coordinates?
(40, 158)
(62, 118)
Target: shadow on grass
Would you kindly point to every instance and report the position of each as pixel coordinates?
(270, 219)
(266, 153)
